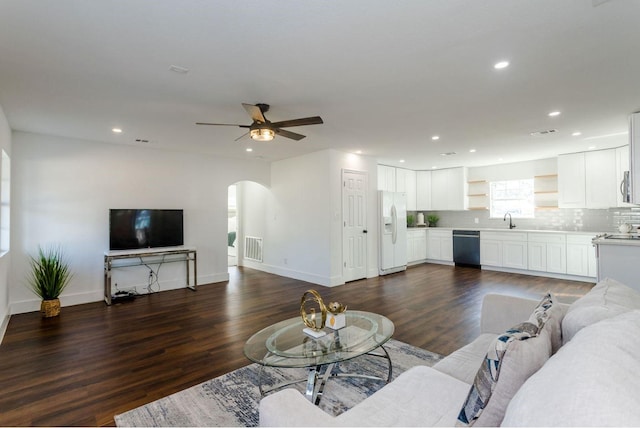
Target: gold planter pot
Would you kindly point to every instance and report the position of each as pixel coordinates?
(50, 308)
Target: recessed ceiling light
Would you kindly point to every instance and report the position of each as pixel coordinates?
(401, 160)
(434, 167)
(554, 114)
(249, 149)
(592, 147)
(472, 150)
(116, 130)
(358, 152)
(435, 137)
(500, 65)
(575, 134)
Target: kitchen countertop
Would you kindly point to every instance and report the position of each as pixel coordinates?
(600, 240)
(495, 229)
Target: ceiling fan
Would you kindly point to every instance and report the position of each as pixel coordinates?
(264, 130)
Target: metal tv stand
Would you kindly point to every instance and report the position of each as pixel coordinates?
(149, 256)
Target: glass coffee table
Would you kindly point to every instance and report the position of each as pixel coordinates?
(285, 345)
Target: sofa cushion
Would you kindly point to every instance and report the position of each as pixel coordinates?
(607, 299)
(463, 364)
(593, 380)
(511, 359)
(421, 396)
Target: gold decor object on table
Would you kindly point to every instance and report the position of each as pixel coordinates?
(336, 318)
(336, 308)
(314, 321)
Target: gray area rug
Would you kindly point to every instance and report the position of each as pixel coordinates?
(232, 399)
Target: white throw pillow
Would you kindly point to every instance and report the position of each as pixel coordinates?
(511, 359)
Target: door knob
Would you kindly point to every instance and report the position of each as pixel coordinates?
(364, 231)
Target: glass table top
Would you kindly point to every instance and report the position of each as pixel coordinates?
(284, 344)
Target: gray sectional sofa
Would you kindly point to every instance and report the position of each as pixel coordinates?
(536, 363)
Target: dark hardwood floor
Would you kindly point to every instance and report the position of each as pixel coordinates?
(94, 361)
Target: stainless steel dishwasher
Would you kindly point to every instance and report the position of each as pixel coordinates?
(466, 248)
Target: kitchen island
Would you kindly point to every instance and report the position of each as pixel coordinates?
(618, 258)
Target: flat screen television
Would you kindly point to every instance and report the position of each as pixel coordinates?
(131, 229)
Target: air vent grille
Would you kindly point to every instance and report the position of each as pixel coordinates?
(548, 131)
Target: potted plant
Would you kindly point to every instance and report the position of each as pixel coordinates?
(48, 277)
(410, 220)
(433, 220)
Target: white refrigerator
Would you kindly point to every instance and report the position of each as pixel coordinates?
(393, 232)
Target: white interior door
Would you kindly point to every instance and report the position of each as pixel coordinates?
(354, 216)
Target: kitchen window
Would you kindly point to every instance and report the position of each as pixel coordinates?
(512, 196)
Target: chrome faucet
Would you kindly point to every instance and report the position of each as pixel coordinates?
(511, 225)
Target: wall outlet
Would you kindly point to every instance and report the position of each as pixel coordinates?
(286, 261)
(476, 220)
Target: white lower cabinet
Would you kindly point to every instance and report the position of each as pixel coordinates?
(440, 245)
(547, 252)
(416, 245)
(514, 252)
(550, 252)
(581, 255)
(503, 249)
(490, 251)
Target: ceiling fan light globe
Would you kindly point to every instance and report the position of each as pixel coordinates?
(262, 134)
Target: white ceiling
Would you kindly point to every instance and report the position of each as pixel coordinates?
(384, 75)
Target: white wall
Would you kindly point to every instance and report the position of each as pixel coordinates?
(301, 216)
(5, 144)
(63, 190)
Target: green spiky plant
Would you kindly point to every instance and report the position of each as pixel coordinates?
(432, 219)
(49, 273)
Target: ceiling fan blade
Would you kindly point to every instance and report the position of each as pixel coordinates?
(242, 136)
(255, 112)
(223, 124)
(288, 134)
(315, 120)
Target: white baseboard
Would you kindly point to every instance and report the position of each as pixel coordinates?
(543, 274)
(290, 273)
(32, 305)
(4, 325)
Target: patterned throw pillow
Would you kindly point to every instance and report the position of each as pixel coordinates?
(510, 360)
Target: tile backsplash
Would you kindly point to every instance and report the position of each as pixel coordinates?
(569, 219)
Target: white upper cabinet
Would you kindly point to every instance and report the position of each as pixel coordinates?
(448, 189)
(406, 183)
(601, 184)
(588, 179)
(571, 181)
(386, 178)
(423, 190)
